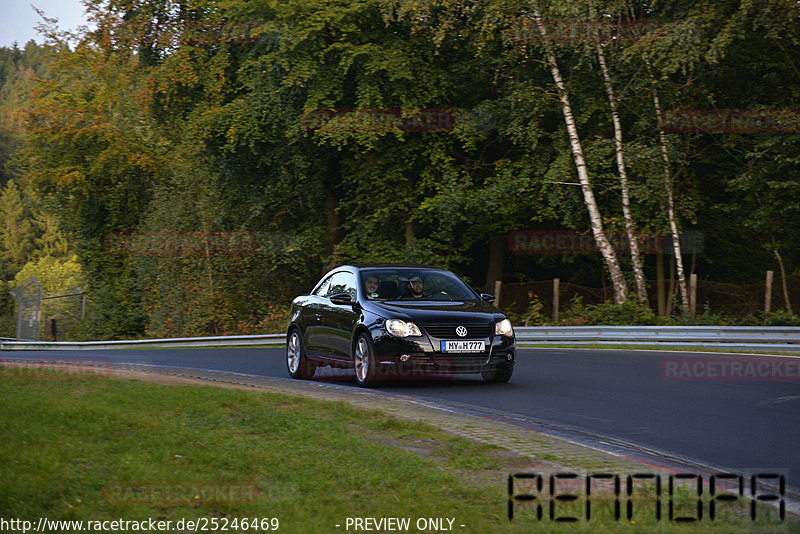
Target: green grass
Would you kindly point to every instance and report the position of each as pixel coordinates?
(105, 449)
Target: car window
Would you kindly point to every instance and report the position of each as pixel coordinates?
(437, 285)
(443, 284)
(342, 282)
(322, 290)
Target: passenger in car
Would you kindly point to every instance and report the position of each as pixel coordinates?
(371, 285)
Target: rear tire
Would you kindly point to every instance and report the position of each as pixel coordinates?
(298, 365)
(364, 362)
(500, 375)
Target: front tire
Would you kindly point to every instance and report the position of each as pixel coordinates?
(364, 362)
(298, 365)
(500, 375)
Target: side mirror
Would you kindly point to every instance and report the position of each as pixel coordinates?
(341, 298)
(487, 297)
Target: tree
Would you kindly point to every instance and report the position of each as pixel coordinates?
(87, 154)
(16, 231)
(606, 249)
(641, 287)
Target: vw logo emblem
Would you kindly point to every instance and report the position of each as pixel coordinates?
(461, 331)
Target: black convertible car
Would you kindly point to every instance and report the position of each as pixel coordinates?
(398, 321)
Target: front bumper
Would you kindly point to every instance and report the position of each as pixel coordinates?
(422, 356)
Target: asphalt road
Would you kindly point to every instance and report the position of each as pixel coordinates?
(744, 425)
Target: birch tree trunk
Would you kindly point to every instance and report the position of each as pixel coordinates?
(603, 244)
(786, 302)
(638, 272)
(673, 225)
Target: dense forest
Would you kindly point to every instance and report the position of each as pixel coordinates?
(31, 242)
(194, 164)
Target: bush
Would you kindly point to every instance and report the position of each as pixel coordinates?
(778, 318)
(531, 316)
(274, 321)
(631, 312)
(704, 318)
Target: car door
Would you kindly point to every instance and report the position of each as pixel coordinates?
(311, 319)
(338, 320)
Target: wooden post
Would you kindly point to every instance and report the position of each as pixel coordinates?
(662, 306)
(50, 333)
(556, 284)
(671, 291)
(768, 292)
(693, 293)
(498, 288)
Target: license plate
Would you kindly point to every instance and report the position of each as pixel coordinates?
(463, 346)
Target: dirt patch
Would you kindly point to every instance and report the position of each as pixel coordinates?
(170, 380)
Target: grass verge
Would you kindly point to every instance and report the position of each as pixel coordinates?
(105, 449)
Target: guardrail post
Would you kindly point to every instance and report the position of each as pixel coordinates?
(556, 284)
(768, 292)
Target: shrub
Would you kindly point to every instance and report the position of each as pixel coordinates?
(704, 318)
(778, 318)
(531, 316)
(631, 312)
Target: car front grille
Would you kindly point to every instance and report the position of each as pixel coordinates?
(448, 331)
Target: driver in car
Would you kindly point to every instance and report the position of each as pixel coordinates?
(415, 287)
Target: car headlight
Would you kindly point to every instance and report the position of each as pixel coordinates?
(503, 328)
(401, 328)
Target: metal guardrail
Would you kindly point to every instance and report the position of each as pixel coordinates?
(756, 337)
(784, 338)
(218, 341)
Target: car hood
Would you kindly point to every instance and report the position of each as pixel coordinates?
(436, 311)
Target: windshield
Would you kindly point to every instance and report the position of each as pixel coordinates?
(415, 284)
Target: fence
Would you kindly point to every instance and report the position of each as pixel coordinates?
(29, 307)
(43, 315)
(62, 314)
(53, 317)
(738, 300)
